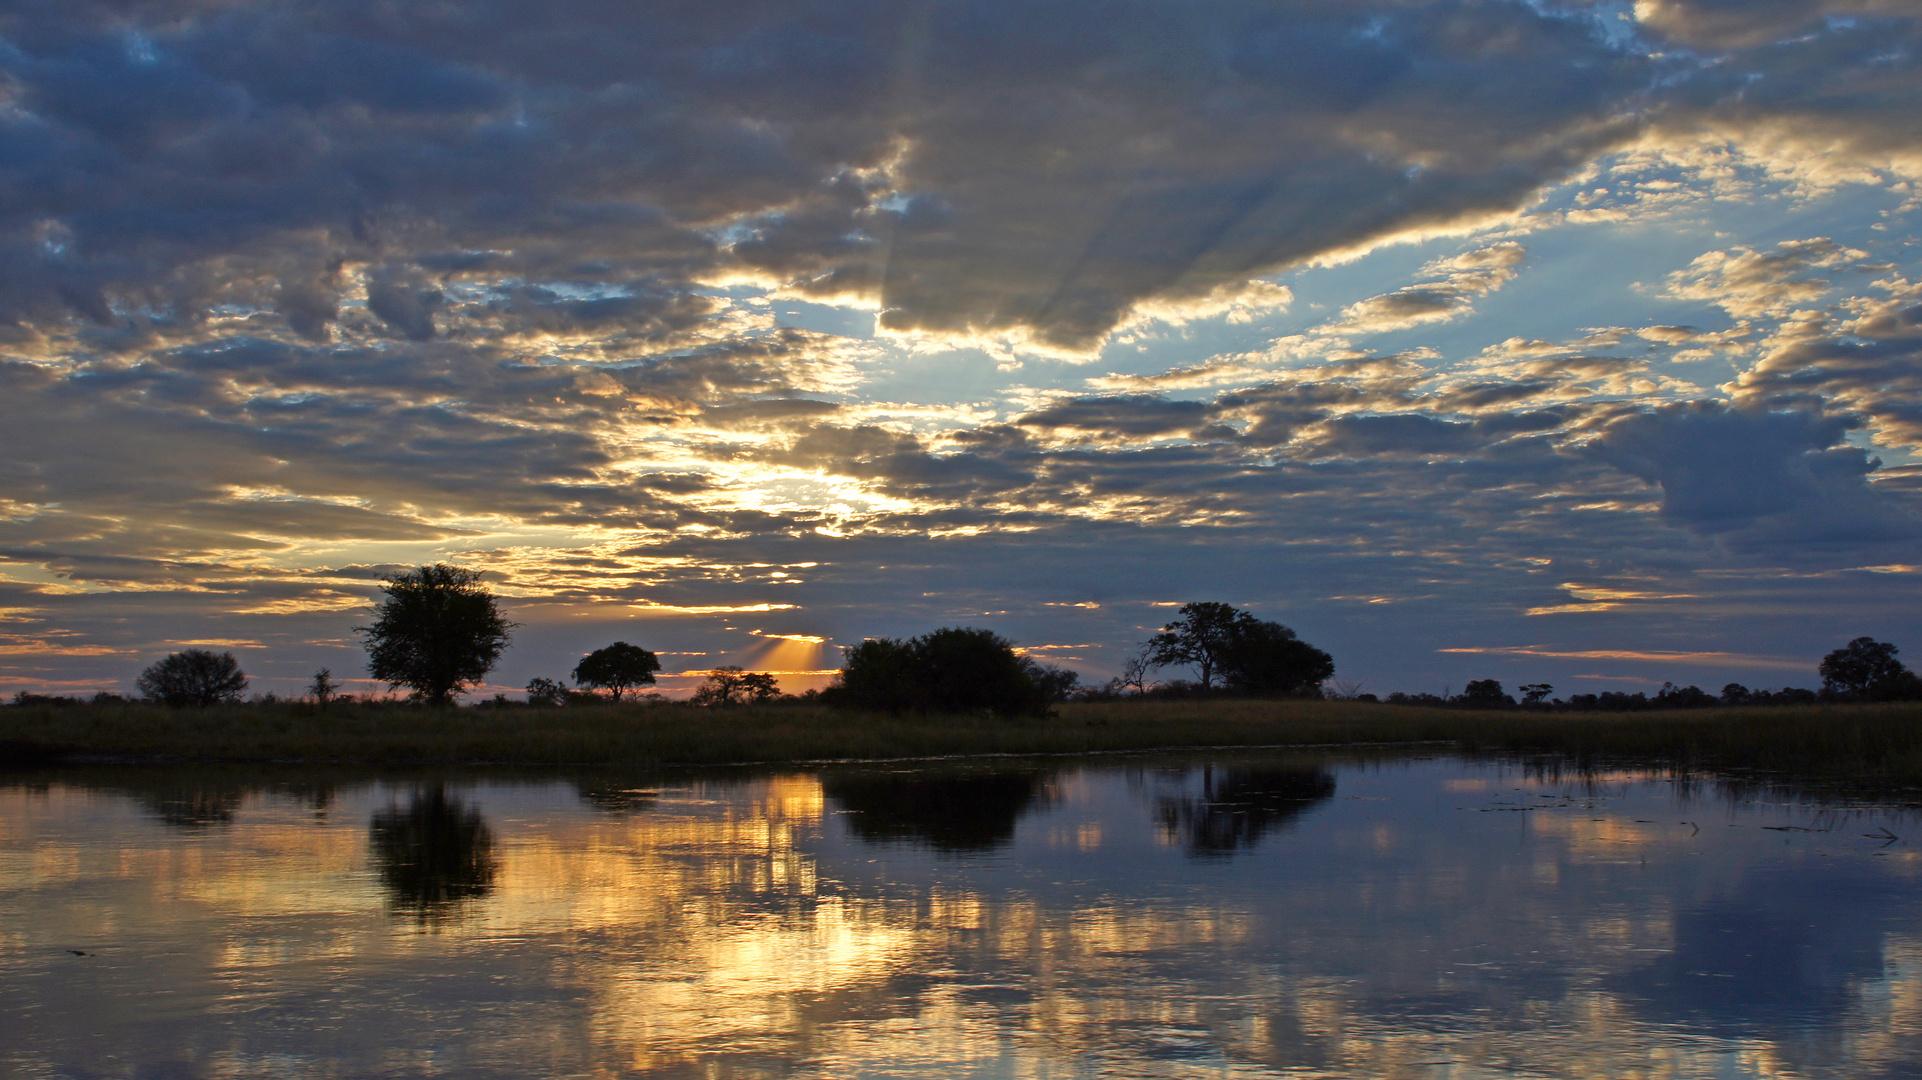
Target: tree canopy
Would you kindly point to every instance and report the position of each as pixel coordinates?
(1867, 668)
(193, 677)
(618, 667)
(954, 669)
(732, 686)
(1251, 656)
(437, 633)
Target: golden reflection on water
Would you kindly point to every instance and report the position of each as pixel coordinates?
(1448, 921)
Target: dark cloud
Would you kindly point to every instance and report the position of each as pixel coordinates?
(1783, 475)
(1879, 378)
(968, 176)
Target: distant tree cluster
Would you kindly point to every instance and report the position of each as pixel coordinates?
(1863, 670)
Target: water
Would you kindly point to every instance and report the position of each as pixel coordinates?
(1236, 917)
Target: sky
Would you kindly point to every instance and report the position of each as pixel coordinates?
(1573, 343)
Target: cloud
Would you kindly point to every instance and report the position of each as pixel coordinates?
(1047, 192)
(1769, 477)
(293, 293)
(1659, 656)
(1725, 24)
(1449, 295)
(1750, 284)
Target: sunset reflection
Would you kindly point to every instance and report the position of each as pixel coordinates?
(1432, 919)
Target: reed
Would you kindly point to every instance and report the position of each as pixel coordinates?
(1879, 741)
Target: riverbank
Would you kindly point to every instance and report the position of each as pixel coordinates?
(1879, 741)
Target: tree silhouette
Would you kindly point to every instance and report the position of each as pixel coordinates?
(1252, 656)
(547, 692)
(193, 677)
(1200, 638)
(956, 668)
(437, 632)
(323, 688)
(732, 686)
(1867, 668)
(1484, 694)
(618, 667)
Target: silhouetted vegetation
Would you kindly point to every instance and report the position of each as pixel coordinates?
(437, 632)
(955, 669)
(955, 812)
(1488, 694)
(433, 856)
(618, 668)
(731, 686)
(1866, 670)
(1254, 658)
(546, 692)
(193, 677)
(323, 688)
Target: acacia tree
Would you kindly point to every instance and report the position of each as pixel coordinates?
(1252, 656)
(193, 677)
(618, 667)
(732, 686)
(437, 633)
(1201, 638)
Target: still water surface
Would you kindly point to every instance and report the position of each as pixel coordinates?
(1235, 916)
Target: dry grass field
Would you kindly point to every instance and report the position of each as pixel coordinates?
(1882, 743)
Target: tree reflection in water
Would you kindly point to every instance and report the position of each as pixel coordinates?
(954, 812)
(195, 801)
(196, 808)
(433, 856)
(1237, 807)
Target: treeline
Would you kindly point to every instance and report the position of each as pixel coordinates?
(439, 632)
(1488, 694)
(1863, 670)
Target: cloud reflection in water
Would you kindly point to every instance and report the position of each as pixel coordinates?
(1391, 917)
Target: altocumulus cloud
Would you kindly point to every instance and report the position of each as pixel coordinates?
(853, 318)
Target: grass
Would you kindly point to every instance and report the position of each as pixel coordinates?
(1879, 744)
